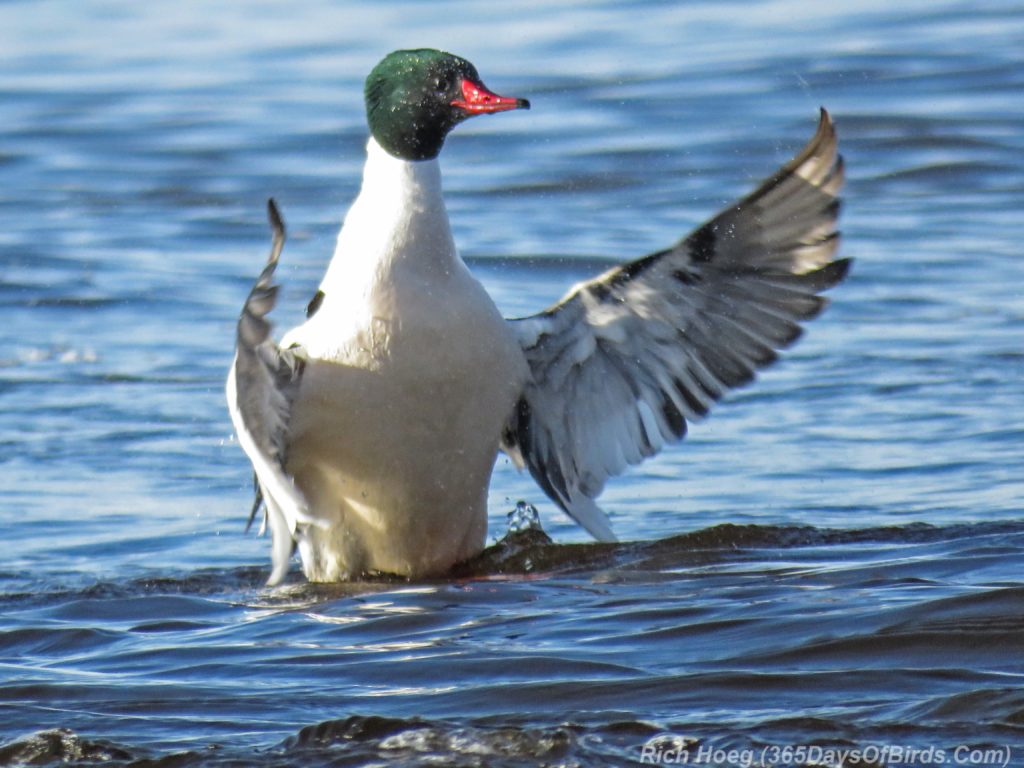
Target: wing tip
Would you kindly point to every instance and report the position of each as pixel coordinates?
(275, 218)
(279, 235)
(833, 273)
(826, 125)
(253, 327)
(816, 162)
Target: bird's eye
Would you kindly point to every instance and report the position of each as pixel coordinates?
(442, 84)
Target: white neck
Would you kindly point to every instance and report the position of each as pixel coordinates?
(398, 221)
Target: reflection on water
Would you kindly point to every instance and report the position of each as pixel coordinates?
(833, 558)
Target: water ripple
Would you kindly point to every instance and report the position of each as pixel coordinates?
(832, 558)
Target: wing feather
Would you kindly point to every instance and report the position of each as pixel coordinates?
(262, 383)
(625, 360)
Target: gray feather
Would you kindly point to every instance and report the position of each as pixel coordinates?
(262, 385)
(655, 342)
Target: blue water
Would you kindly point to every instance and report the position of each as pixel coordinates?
(835, 558)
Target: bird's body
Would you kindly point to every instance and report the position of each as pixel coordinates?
(373, 427)
(411, 373)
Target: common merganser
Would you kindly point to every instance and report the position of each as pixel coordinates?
(373, 427)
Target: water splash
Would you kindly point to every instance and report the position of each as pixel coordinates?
(524, 518)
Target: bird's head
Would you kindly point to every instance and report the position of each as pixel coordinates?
(414, 98)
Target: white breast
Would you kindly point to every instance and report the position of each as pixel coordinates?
(412, 374)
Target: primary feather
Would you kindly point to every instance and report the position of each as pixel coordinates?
(262, 385)
(621, 364)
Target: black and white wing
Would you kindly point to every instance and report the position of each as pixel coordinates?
(625, 360)
(262, 384)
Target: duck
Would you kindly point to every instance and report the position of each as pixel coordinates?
(373, 427)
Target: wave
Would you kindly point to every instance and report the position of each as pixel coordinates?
(532, 552)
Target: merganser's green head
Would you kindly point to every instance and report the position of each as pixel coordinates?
(414, 98)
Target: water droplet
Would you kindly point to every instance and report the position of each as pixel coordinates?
(523, 518)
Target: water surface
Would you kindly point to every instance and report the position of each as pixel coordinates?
(833, 558)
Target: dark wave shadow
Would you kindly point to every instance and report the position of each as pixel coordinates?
(530, 553)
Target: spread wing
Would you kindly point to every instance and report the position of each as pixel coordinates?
(622, 363)
(262, 384)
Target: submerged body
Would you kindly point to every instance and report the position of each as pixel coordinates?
(373, 427)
